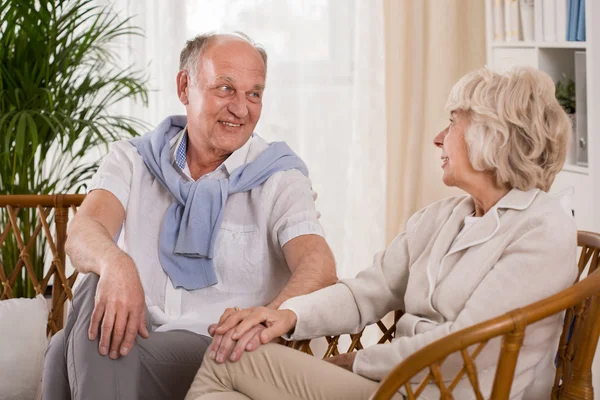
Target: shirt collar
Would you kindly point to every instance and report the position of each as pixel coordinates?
(179, 151)
(515, 199)
(518, 199)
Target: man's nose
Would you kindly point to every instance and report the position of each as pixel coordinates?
(239, 106)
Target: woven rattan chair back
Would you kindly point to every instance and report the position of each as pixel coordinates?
(51, 215)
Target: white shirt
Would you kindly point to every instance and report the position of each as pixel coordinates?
(249, 262)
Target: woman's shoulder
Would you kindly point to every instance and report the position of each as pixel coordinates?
(548, 209)
(545, 221)
(435, 214)
(442, 208)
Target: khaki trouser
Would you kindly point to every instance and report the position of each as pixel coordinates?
(275, 372)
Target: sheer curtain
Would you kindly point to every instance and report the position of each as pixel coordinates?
(429, 46)
(325, 95)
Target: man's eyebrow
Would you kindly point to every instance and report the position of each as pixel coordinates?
(231, 81)
(226, 78)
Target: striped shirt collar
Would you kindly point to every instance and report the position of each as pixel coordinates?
(179, 146)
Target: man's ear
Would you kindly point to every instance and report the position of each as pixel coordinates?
(183, 83)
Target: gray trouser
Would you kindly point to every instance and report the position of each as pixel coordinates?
(160, 367)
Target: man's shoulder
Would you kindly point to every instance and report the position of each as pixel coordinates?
(122, 153)
(280, 178)
(123, 146)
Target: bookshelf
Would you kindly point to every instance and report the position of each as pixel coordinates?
(556, 58)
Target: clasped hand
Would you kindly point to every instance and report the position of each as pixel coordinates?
(245, 330)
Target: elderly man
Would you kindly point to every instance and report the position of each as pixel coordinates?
(180, 224)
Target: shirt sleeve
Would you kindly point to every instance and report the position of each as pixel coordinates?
(293, 212)
(116, 171)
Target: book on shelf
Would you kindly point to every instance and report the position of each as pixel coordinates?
(539, 20)
(526, 11)
(511, 20)
(498, 20)
(581, 22)
(581, 109)
(576, 20)
(572, 11)
(549, 16)
(561, 20)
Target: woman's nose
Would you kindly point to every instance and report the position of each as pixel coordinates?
(438, 140)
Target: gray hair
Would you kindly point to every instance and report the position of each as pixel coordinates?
(192, 51)
(518, 131)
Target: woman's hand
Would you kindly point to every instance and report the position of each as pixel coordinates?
(345, 360)
(277, 322)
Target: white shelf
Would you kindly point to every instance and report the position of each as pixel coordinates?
(540, 45)
(514, 45)
(576, 169)
(562, 45)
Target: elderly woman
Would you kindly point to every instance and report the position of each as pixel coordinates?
(461, 261)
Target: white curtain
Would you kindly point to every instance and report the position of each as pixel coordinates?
(325, 95)
(429, 46)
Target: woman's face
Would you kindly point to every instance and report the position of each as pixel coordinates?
(455, 156)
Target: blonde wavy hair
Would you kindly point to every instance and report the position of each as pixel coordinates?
(518, 131)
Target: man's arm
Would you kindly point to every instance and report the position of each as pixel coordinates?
(90, 244)
(119, 306)
(312, 265)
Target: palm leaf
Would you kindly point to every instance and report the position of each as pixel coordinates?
(60, 79)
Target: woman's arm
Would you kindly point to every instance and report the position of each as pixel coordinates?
(345, 307)
(539, 264)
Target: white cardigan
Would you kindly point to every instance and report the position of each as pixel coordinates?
(523, 250)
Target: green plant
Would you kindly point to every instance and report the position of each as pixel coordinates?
(565, 94)
(59, 83)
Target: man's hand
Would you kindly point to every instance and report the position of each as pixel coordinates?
(119, 311)
(224, 348)
(249, 328)
(345, 360)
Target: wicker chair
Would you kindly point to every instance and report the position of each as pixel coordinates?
(52, 213)
(575, 353)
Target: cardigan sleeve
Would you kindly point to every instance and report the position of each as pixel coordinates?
(351, 304)
(539, 263)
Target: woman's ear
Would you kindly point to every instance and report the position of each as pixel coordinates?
(183, 83)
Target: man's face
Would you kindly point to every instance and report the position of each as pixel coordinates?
(224, 102)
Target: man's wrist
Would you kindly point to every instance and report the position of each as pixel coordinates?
(113, 259)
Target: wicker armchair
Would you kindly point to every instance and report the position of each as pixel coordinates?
(575, 353)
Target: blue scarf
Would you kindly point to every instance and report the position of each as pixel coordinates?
(192, 221)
